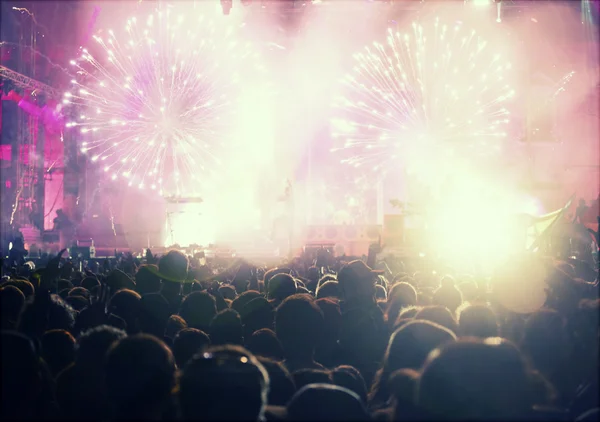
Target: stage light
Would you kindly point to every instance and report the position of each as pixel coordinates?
(481, 3)
(226, 5)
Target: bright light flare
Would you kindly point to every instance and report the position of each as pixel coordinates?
(156, 103)
(188, 224)
(438, 90)
(479, 227)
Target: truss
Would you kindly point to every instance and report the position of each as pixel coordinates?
(25, 82)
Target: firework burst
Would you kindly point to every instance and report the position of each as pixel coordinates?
(437, 90)
(156, 103)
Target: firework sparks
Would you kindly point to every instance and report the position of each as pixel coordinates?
(155, 108)
(438, 90)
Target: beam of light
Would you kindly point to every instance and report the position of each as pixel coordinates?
(422, 98)
(156, 103)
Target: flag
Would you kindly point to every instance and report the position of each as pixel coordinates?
(541, 226)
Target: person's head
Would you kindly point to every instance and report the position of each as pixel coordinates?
(60, 316)
(125, 303)
(147, 280)
(477, 321)
(298, 325)
(64, 284)
(349, 377)
(187, 343)
(332, 319)
(408, 347)
(303, 377)
(326, 402)
(174, 325)
(282, 386)
(256, 315)
(81, 292)
(357, 281)
(313, 274)
(58, 350)
(380, 292)
(325, 279)
(328, 289)
(281, 286)
(228, 292)
(449, 296)
(89, 283)
(153, 314)
(241, 300)
(173, 267)
(403, 385)
(12, 301)
(469, 290)
(212, 378)
(406, 315)
(439, 315)
(404, 293)
(21, 376)
(401, 296)
(545, 341)
(198, 309)
(475, 379)
(93, 344)
(264, 343)
(24, 286)
(272, 273)
(226, 328)
(140, 377)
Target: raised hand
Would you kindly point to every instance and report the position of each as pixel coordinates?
(51, 272)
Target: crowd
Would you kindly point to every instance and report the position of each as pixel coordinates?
(176, 337)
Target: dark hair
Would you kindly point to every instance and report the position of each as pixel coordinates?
(477, 321)
(298, 324)
(264, 343)
(281, 286)
(241, 300)
(447, 295)
(226, 328)
(328, 289)
(304, 377)
(187, 343)
(211, 378)
(140, 375)
(409, 347)
(12, 301)
(146, 280)
(402, 295)
(125, 303)
(25, 286)
(349, 377)
(61, 316)
(326, 402)
(281, 382)
(58, 349)
(439, 315)
(198, 309)
(93, 344)
(475, 379)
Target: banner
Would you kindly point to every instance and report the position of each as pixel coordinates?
(542, 225)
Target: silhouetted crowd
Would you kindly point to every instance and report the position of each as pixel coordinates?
(318, 338)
